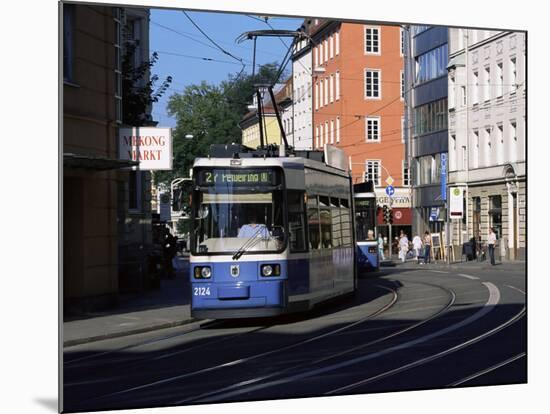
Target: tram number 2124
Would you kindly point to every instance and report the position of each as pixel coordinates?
(201, 291)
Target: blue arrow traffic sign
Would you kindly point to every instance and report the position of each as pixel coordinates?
(390, 190)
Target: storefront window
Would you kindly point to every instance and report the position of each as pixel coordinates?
(495, 214)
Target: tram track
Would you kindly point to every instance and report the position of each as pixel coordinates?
(248, 383)
(240, 361)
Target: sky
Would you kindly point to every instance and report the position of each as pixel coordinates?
(172, 35)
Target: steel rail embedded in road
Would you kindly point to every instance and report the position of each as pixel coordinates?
(487, 370)
(253, 357)
(278, 373)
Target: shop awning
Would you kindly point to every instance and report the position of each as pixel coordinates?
(90, 162)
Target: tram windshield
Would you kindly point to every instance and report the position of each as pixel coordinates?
(238, 212)
(365, 218)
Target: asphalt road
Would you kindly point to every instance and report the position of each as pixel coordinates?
(405, 329)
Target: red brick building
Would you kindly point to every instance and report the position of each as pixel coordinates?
(358, 103)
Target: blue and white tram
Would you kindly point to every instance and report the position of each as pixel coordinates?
(365, 224)
(270, 234)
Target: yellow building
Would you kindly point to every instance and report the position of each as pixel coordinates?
(251, 128)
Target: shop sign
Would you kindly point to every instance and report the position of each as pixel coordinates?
(151, 147)
(456, 202)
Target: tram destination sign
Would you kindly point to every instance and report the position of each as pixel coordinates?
(236, 178)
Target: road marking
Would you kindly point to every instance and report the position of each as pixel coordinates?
(515, 288)
(494, 298)
(468, 276)
(486, 371)
(438, 271)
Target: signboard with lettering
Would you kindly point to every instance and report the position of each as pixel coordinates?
(400, 198)
(456, 202)
(443, 158)
(236, 177)
(152, 147)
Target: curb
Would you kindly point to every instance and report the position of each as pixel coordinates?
(80, 341)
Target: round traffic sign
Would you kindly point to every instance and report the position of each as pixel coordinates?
(398, 215)
(390, 190)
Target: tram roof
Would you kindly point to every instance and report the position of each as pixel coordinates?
(283, 162)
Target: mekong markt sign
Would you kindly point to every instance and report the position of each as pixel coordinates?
(152, 147)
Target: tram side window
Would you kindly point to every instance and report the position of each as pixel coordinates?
(326, 222)
(336, 229)
(296, 221)
(345, 218)
(313, 223)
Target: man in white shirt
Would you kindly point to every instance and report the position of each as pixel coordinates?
(491, 244)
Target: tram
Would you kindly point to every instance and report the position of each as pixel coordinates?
(365, 224)
(271, 234)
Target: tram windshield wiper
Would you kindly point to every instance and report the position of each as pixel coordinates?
(251, 242)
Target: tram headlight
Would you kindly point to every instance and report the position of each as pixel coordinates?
(203, 272)
(268, 270)
(206, 272)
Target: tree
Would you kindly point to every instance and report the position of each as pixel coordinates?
(211, 113)
(138, 88)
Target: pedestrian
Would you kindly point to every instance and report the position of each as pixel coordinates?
(169, 252)
(427, 246)
(381, 246)
(417, 246)
(403, 246)
(491, 244)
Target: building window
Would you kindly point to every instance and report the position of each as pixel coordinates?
(499, 143)
(337, 129)
(331, 88)
(513, 75)
(495, 214)
(464, 158)
(431, 117)
(320, 53)
(476, 218)
(402, 85)
(372, 83)
(373, 129)
(118, 63)
(452, 154)
(316, 56)
(487, 146)
(325, 48)
(326, 132)
(68, 46)
(337, 43)
(475, 157)
(463, 96)
(332, 131)
(402, 41)
(513, 141)
(500, 80)
(321, 88)
(337, 85)
(316, 95)
(326, 92)
(452, 97)
(432, 64)
(372, 40)
(487, 84)
(372, 172)
(475, 88)
(331, 46)
(403, 129)
(406, 174)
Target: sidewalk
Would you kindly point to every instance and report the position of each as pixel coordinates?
(162, 308)
(473, 264)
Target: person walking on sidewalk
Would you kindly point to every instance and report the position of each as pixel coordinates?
(403, 246)
(491, 244)
(417, 246)
(381, 247)
(427, 246)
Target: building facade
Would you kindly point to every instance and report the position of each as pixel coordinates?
(358, 105)
(426, 50)
(302, 137)
(487, 136)
(97, 187)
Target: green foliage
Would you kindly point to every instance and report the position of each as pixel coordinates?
(138, 88)
(211, 113)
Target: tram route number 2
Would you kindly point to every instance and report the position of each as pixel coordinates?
(201, 291)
